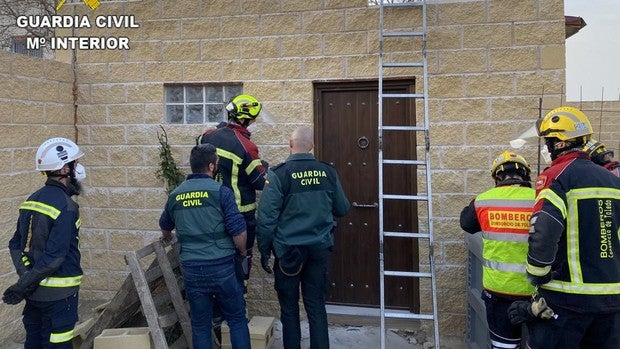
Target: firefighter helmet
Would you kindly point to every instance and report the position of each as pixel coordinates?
(243, 107)
(564, 123)
(510, 161)
(54, 153)
(597, 151)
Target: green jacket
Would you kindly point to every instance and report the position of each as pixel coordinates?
(205, 217)
(298, 205)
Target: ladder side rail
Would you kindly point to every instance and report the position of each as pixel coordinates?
(380, 180)
(429, 192)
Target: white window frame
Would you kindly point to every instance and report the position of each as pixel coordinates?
(189, 106)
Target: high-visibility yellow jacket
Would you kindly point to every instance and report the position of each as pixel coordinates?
(503, 215)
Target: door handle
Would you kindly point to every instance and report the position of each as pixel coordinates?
(373, 205)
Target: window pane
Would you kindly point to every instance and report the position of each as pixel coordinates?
(174, 94)
(174, 114)
(193, 94)
(194, 114)
(215, 94)
(216, 113)
(231, 91)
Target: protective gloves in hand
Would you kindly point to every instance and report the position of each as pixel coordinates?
(16, 293)
(521, 311)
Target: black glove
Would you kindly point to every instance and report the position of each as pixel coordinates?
(265, 164)
(521, 311)
(16, 293)
(264, 262)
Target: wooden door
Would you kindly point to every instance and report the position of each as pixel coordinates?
(346, 136)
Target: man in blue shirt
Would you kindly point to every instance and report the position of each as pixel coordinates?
(210, 231)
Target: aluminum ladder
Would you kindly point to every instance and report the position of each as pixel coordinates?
(417, 68)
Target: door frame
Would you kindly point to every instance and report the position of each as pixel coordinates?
(365, 84)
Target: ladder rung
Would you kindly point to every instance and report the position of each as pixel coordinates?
(410, 316)
(406, 197)
(411, 274)
(404, 128)
(406, 235)
(402, 95)
(405, 162)
(401, 34)
(403, 64)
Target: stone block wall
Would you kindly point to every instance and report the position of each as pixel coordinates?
(35, 104)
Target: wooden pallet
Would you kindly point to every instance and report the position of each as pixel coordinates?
(154, 293)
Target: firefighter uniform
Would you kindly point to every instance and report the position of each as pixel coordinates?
(45, 252)
(574, 254)
(502, 214)
(240, 169)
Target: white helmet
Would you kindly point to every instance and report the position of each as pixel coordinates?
(54, 153)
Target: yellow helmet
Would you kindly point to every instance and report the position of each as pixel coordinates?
(597, 151)
(564, 123)
(243, 107)
(509, 160)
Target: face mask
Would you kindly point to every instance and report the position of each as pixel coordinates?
(546, 155)
(80, 172)
(252, 127)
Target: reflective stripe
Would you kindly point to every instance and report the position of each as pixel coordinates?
(70, 281)
(510, 237)
(252, 166)
(554, 199)
(234, 173)
(509, 267)
(504, 203)
(40, 207)
(496, 344)
(61, 337)
(229, 155)
(537, 271)
(25, 260)
(247, 208)
(572, 240)
(78, 223)
(582, 288)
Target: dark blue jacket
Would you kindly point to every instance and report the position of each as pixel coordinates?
(574, 238)
(46, 242)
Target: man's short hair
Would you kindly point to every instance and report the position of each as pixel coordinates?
(201, 156)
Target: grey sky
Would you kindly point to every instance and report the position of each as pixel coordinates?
(592, 55)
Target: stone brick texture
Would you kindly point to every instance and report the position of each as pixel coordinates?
(490, 63)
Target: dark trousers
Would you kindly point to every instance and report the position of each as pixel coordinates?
(207, 284)
(502, 333)
(571, 330)
(312, 279)
(50, 324)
